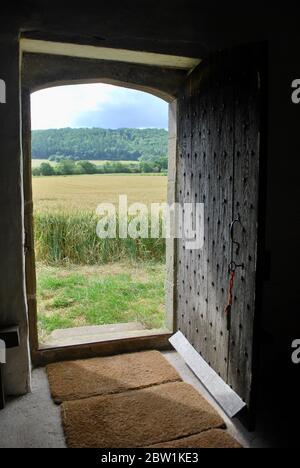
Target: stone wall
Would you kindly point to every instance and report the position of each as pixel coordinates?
(13, 309)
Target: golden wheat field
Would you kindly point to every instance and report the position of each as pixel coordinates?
(85, 192)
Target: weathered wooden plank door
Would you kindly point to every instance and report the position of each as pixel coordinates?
(219, 115)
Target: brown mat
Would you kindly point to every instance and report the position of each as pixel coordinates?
(215, 438)
(138, 418)
(74, 380)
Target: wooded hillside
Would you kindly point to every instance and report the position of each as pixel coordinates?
(125, 144)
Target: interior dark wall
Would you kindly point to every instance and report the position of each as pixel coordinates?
(281, 298)
(185, 27)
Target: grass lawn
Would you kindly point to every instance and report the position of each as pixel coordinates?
(74, 296)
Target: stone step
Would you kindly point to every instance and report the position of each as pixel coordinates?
(95, 330)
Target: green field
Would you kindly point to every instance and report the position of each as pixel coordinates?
(84, 280)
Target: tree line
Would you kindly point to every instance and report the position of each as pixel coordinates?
(124, 144)
(71, 167)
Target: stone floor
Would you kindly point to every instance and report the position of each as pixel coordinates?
(33, 421)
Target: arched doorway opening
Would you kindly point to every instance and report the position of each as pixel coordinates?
(109, 147)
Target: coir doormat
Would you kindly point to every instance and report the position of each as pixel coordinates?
(138, 418)
(133, 400)
(74, 380)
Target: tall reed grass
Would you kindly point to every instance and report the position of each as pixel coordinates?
(64, 237)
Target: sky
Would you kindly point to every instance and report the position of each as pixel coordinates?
(96, 105)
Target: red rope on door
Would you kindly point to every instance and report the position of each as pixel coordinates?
(231, 284)
(230, 298)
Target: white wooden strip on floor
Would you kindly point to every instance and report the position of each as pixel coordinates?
(229, 401)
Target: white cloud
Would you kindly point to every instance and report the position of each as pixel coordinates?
(87, 104)
(58, 107)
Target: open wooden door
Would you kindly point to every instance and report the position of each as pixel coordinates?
(219, 126)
